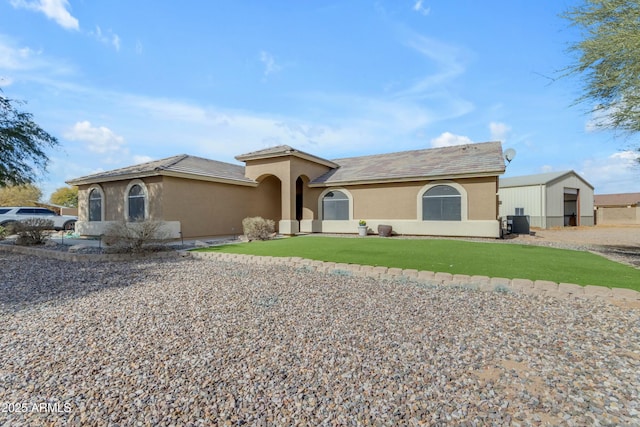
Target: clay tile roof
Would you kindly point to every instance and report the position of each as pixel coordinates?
(284, 150)
(266, 152)
(183, 163)
(621, 199)
(467, 159)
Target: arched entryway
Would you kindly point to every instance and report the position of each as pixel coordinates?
(266, 202)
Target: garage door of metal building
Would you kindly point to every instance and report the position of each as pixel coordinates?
(571, 207)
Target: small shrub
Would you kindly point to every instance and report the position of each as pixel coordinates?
(135, 237)
(3, 233)
(258, 228)
(32, 231)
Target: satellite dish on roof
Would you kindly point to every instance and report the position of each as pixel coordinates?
(509, 154)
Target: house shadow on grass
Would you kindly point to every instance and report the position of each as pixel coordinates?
(28, 281)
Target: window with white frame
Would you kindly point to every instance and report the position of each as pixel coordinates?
(136, 199)
(442, 203)
(95, 205)
(335, 206)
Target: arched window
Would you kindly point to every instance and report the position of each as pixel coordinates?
(335, 206)
(136, 203)
(95, 205)
(441, 203)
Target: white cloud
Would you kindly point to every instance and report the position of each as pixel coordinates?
(598, 120)
(418, 7)
(499, 131)
(447, 139)
(109, 39)
(52, 9)
(100, 140)
(616, 173)
(141, 159)
(115, 40)
(15, 60)
(449, 61)
(269, 62)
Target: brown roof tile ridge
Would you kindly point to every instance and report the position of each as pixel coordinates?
(178, 159)
(420, 150)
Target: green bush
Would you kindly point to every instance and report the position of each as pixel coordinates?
(32, 231)
(135, 237)
(258, 228)
(3, 233)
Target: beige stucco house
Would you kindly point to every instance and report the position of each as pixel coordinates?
(450, 191)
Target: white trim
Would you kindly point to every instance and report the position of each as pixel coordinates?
(329, 190)
(126, 198)
(405, 179)
(87, 210)
(472, 228)
(464, 211)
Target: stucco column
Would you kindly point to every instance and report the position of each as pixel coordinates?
(288, 224)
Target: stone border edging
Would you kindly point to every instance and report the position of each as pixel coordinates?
(628, 297)
(483, 283)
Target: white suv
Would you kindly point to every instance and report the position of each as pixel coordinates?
(9, 215)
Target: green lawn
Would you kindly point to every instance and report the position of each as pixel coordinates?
(453, 256)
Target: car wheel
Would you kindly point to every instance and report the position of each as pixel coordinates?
(69, 226)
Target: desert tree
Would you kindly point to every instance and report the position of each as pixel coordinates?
(23, 144)
(65, 196)
(606, 57)
(20, 195)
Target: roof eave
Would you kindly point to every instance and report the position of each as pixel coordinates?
(162, 172)
(209, 178)
(406, 179)
(100, 179)
(294, 153)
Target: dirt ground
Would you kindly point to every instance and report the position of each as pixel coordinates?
(619, 243)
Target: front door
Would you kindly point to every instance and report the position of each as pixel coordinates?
(299, 191)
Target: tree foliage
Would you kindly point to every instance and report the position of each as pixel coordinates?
(22, 144)
(608, 60)
(65, 196)
(20, 195)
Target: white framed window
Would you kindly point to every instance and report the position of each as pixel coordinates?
(335, 204)
(136, 201)
(442, 201)
(95, 205)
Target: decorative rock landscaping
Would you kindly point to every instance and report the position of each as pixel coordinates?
(219, 339)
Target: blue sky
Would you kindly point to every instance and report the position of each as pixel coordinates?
(121, 82)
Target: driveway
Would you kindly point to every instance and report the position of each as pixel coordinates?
(620, 243)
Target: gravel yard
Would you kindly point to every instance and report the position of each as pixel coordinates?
(202, 342)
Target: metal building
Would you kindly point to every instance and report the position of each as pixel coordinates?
(554, 199)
